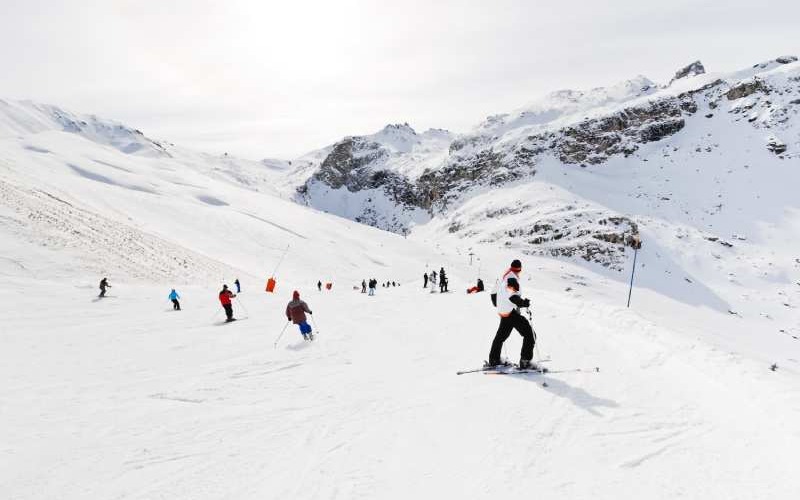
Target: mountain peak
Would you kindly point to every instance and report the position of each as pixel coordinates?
(693, 69)
(395, 128)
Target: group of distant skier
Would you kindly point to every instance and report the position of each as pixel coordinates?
(505, 297)
(433, 278)
(369, 286)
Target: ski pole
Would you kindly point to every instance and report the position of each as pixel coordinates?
(275, 346)
(315, 323)
(536, 350)
(241, 304)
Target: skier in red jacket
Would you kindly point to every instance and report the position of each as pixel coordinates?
(296, 313)
(225, 297)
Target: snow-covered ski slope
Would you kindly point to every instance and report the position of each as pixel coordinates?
(122, 397)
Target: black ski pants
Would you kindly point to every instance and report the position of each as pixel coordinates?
(513, 322)
(176, 305)
(228, 311)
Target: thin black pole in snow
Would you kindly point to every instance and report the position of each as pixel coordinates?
(315, 322)
(637, 244)
(275, 345)
(280, 261)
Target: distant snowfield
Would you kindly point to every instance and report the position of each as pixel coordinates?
(125, 398)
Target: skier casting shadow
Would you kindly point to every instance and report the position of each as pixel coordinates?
(103, 285)
(508, 302)
(174, 297)
(225, 297)
(296, 311)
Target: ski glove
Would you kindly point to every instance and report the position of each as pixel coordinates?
(519, 301)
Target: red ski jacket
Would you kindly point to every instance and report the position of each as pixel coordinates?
(225, 297)
(296, 311)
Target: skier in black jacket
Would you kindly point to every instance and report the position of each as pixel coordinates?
(103, 285)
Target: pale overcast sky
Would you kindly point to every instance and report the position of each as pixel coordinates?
(262, 78)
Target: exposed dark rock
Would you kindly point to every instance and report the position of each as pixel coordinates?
(593, 141)
(776, 146)
(693, 69)
(747, 88)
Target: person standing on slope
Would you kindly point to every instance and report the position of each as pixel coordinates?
(296, 311)
(433, 281)
(225, 297)
(363, 286)
(238, 286)
(103, 285)
(508, 302)
(442, 281)
(425, 280)
(372, 284)
(173, 296)
(319, 285)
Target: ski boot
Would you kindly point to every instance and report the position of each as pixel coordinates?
(487, 365)
(305, 337)
(527, 364)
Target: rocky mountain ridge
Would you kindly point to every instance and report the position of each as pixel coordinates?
(359, 179)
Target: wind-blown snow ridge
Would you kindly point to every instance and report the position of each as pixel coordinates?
(27, 117)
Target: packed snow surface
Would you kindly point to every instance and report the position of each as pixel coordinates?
(122, 397)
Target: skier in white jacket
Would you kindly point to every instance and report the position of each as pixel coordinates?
(508, 302)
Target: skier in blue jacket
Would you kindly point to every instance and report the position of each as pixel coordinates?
(173, 296)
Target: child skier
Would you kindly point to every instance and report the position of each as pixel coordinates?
(225, 297)
(296, 311)
(238, 286)
(173, 296)
(508, 302)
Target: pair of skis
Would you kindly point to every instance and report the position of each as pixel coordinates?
(514, 369)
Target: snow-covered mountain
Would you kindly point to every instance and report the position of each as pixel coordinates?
(702, 169)
(369, 178)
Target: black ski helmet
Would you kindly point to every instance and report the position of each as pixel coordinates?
(513, 283)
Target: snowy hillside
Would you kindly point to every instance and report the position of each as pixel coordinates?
(123, 397)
